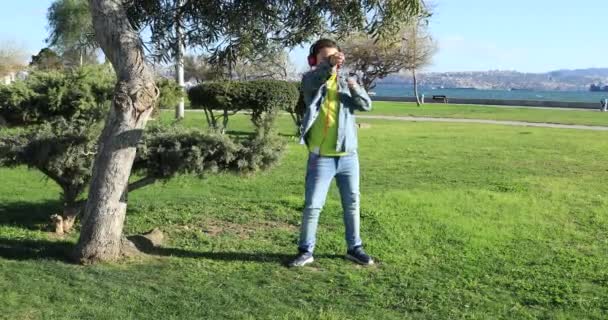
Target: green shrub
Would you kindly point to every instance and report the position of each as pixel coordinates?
(165, 152)
(263, 98)
(299, 108)
(65, 111)
(170, 93)
(83, 93)
(64, 151)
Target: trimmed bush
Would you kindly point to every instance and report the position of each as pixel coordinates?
(298, 109)
(65, 111)
(263, 98)
(166, 152)
(83, 93)
(64, 151)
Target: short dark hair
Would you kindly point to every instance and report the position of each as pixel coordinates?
(322, 44)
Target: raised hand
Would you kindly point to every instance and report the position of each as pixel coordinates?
(337, 59)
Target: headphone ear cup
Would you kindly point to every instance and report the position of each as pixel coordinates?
(312, 61)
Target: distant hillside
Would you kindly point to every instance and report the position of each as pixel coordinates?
(570, 80)
(592, 72)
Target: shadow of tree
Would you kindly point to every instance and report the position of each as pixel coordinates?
(240, 133)
(20, 249)
(248, 134)
(28, 215)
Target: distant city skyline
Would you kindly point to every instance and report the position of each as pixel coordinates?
(473, 35)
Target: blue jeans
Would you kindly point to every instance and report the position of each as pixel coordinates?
(320, 172)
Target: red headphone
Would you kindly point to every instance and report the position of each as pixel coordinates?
(312, 60)
(312, 55)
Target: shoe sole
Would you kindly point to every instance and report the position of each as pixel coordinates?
(354, 259)
(307, 261)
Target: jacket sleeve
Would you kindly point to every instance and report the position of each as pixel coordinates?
(314, 79)
(360, 99)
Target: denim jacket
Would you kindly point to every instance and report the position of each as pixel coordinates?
(315, 91)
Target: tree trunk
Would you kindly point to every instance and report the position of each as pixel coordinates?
(135, 93)
(225, 121)
(179, 60)
(416, 87)
(65, 222)
(70, 213)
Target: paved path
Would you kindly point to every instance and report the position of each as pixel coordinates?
(499, 122)
(526, 107)
(482, 121)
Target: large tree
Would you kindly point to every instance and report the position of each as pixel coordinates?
(46, 60)
(225, 28)
(372, 59)
(71, 30)
(12, 58)
(72, 34)
(273, 64)
(197, 68)
(417, 50)
(134, 98)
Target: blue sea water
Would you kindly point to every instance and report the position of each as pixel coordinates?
(397, 90)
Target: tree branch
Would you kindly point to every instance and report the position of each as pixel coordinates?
(141, 183)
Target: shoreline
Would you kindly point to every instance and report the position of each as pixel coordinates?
(499, 102)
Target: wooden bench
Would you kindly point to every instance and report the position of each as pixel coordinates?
(443, 99)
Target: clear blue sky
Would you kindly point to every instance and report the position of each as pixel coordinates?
(523, 35)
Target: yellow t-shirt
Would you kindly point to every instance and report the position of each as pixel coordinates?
(323, 135)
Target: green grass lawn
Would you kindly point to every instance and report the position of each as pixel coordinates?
(467, 221)
(492, 113)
